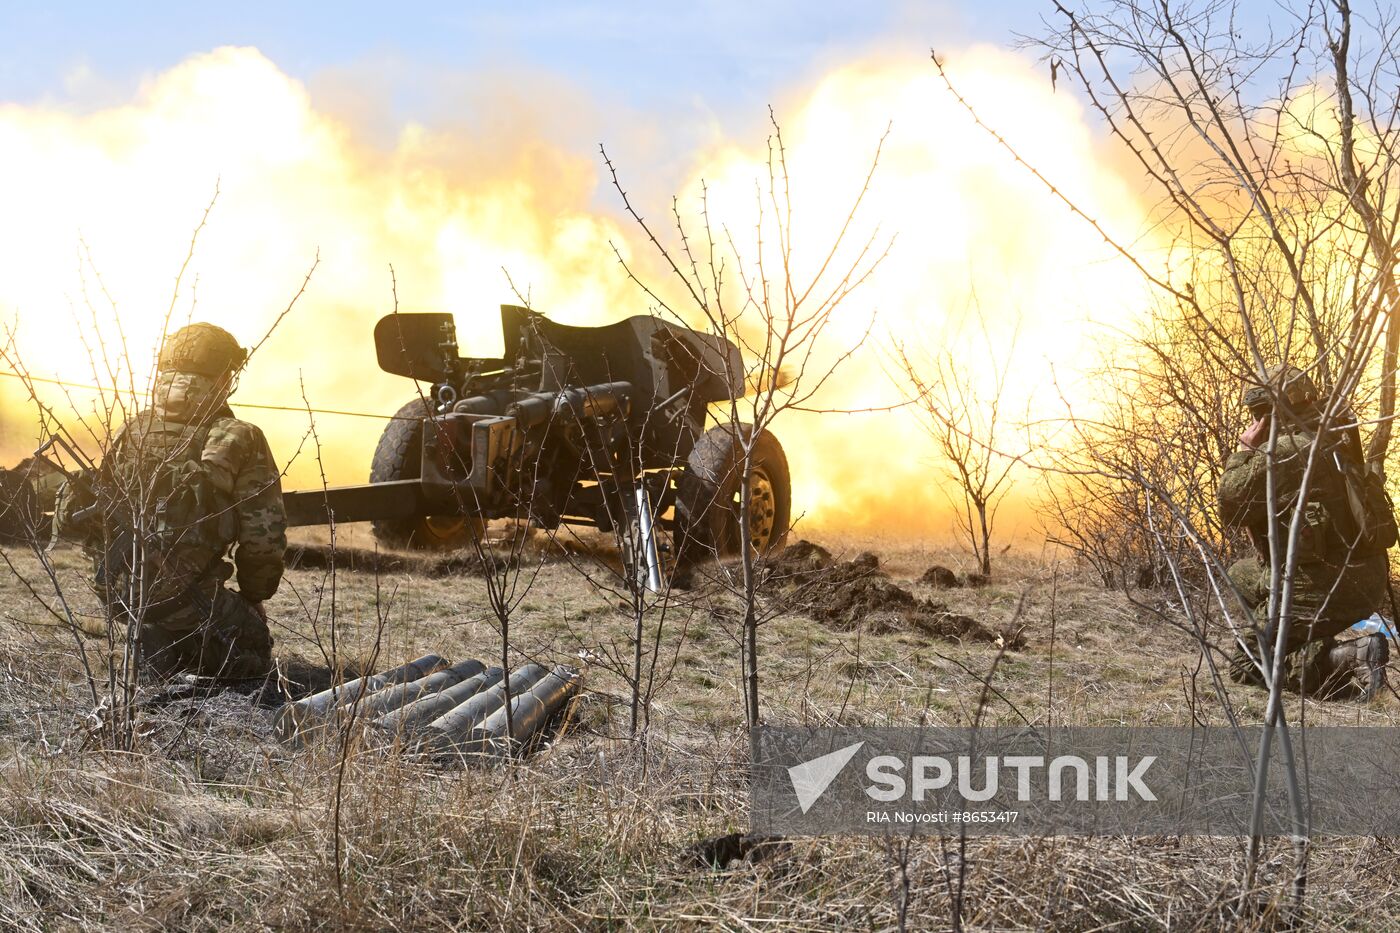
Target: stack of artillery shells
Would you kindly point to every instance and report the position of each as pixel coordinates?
(436, 709)
(308, 716)
(528, 712)
(412, 717)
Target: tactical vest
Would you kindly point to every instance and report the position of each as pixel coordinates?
(160, 513)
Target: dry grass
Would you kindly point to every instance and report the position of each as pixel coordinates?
(214, 825)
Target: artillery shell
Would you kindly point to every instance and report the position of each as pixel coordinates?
(391, 697)
(306, 715)
(454, 728)
(529, 710)
(412, 717)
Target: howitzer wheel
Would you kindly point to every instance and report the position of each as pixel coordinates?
(399, 456)
(708, 499)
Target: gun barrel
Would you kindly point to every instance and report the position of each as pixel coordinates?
(578, 402)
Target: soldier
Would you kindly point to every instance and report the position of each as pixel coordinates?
(1341, 573)
(184, 482)
(26, 496)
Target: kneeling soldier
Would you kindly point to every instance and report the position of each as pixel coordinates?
(1341, 569)
(184, 484)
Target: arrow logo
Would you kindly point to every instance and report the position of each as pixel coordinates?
(811, 778)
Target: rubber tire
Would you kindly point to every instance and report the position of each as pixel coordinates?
(399, 456)
(706, 508)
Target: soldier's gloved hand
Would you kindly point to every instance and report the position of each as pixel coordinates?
(1255, 435)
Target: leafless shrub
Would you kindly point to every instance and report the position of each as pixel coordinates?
(1279, 253)
(776, 306)
(965, 415)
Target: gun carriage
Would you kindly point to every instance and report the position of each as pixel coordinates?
(590, 426)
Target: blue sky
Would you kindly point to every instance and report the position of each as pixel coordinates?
(651, 80)
(674, 65)
(732, 54)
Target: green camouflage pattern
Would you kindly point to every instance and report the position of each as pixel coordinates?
(1328, 520)
(199, 484)
(1334, 586)
(1327, 600)
(240, 463)
(239, 466)
(221, 636)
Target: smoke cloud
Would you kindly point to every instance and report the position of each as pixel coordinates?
(976, 235)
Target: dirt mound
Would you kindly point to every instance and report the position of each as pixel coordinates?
(802, 556)
(940, 577)
(849, 594)
(850, 591)
(364, 560)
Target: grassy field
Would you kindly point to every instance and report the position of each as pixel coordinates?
(211, 824)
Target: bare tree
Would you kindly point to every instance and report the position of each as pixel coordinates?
(962, 398)
(1271, 183)
(1169, 409)
(636, 576)
(776, 306)
(639, 577)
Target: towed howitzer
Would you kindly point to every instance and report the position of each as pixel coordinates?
(595, 426)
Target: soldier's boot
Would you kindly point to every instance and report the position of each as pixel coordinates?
(232, 643)
(238, 646)
(1359, 664)
(249, 663)
(232, 656)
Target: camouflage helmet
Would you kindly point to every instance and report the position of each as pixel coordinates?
(1296, 388)
(202, 349)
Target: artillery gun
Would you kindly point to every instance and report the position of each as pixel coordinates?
(593, 426)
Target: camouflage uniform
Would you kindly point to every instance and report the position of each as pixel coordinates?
(232, 489)
(1335, 584)
(26, 495)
